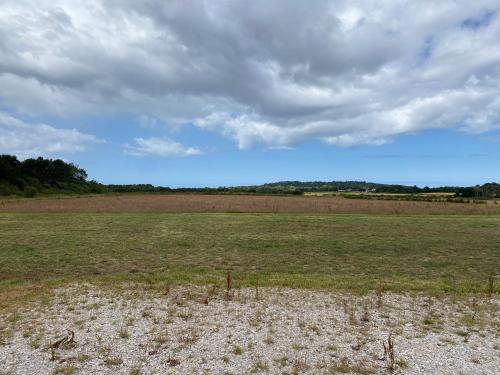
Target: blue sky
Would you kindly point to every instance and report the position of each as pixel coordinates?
(433, 158)
(214, 93)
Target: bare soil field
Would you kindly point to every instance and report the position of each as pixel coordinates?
(209, 330)
(236, 203)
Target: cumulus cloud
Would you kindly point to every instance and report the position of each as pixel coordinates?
(273, 73)
(163, 147)
(28, 140)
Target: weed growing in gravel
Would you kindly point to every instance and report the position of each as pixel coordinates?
(36, 340)
(82, 357)
(172, 311)
(80, 323)
(229, 294)
(113, 361)
(257, 288)
(448, 341)
(380, 292)
(389, 352)
(366, 314)
(298, 365)
(135, 371)
(123, 333)
(491, 285)
(331, 347)
(237, 350)
(65, 370)
(260, 365)
(281, 361)
(5, 335)
(160, 339)
(346, 367)
(189, 336)
(315, 329)
(297, 346)
(269, 340)
(27, 333)
(401, 363)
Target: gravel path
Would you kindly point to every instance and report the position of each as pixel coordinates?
(202, 330)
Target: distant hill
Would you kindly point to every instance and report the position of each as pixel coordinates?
(47, 176)
(354, 186)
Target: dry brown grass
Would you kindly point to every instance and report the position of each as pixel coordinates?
(235, 203)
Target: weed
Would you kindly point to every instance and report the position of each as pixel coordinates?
(491, 285)
(189, 336)
(237, 350)
(259, 365)
(173, 361)
(65, 370)
(269, 340)
(257, 288)
(281, 361)
(123, 333)
(345, 367)
(229, 294)
(82, 357)
(296, 346)
(366, 315)
(380, 292)
(113, 361)
(160, 339)
(401, 363)
(389, 352)
(27, 333)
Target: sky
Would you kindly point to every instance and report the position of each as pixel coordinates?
(228, 92)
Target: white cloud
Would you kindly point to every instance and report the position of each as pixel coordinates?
(344, 72)
(28, 140)
(163, 147)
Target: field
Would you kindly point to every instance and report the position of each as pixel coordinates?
(238, 204)
(316, 284)
(357, 252)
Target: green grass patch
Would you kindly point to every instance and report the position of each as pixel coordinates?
(355, 252)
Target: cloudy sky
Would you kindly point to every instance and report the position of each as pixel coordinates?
(223, 92)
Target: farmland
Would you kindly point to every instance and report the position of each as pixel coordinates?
(247, 284)
(202, 203)
(339, 251)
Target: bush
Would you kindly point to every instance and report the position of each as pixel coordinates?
(30, 192)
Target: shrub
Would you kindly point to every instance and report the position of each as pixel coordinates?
(30, 192)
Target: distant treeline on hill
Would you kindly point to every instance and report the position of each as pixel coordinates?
(47, 176)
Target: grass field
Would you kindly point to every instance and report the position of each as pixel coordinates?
(357, 252)
(201, 203)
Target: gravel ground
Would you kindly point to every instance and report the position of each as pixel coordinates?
(202, 330)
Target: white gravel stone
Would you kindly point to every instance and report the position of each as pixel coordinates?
(285, 331)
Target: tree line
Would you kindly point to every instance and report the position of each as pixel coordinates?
(32, 176)
(48, 176)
